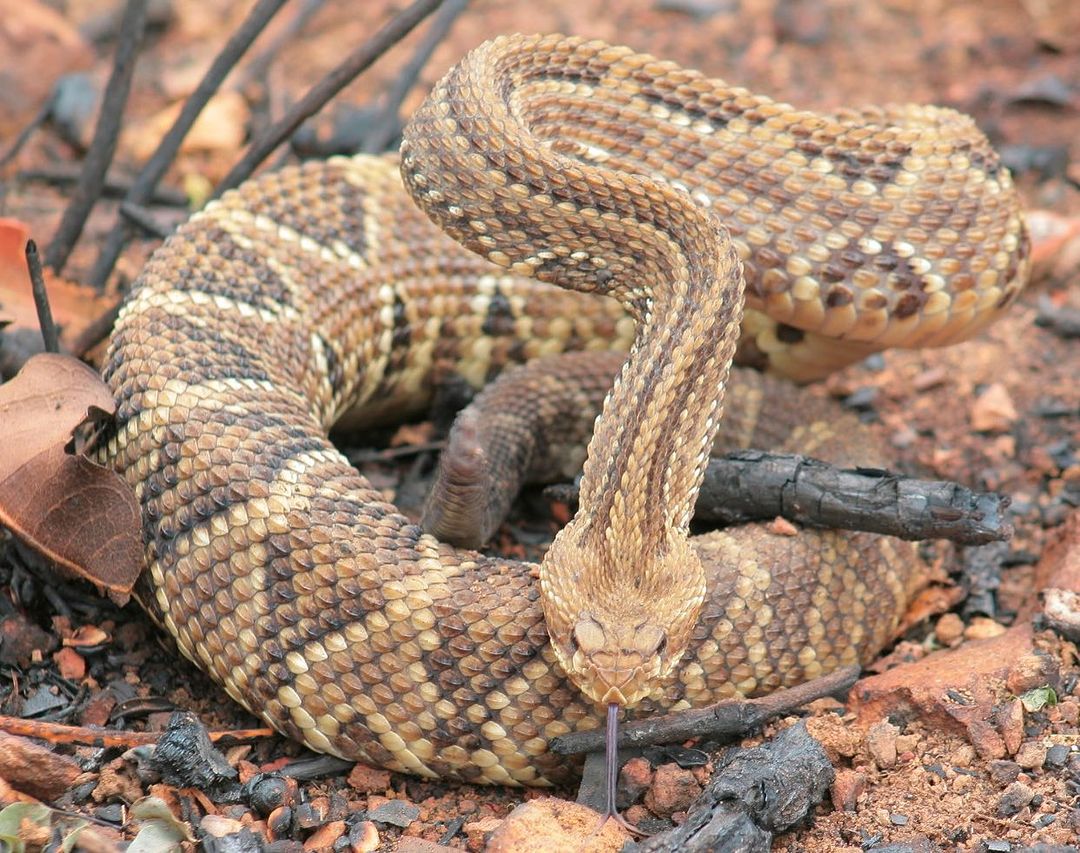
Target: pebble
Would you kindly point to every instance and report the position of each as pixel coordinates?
(881, 742)
(949, 629)
(1003, 772)
(907, 744)
(673, 790)
(982, 628)
(1016, 797)
(993, 410)
(1056, 756)
(1031, 756)
(634, 780)
(364, 837)
(1031, 671)
(396, 813)
(846, 789)
(324, 837)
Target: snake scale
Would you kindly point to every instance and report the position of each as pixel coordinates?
(320, 290)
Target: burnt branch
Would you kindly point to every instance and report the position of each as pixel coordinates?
(41, 299)
(316, 97)
(145, 183)
(388, 124)
(103, 145)
(729, 718)
(752, 485)
(753, 795)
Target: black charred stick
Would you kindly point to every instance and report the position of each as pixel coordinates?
(316, 97)
(103, 146)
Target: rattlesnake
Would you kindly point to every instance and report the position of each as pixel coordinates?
(315, 290)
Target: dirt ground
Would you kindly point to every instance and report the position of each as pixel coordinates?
(1001, 412)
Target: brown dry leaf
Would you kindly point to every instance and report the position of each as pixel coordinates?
(74, 306)
(82, 516)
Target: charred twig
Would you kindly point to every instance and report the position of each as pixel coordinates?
(750, 485)
(95, 332)
(357, 62)
(41, 299)
(142, 188)
(728, 718)
(753, 795)
(257, 67)
(100, 153)
(102, 738)
(25, 134)
(63, 174)
(388, 124)
(139, 215)
(362, 457)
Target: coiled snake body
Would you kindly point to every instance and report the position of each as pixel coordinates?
(309, 292)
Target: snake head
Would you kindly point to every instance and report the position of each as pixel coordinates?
(619, 626)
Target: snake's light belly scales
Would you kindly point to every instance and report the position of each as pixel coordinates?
(321, 289)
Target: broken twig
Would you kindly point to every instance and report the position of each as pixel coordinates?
(751, 485)
(41, 299)
(101, 150)
(728, 718)
(142, 188)
(316, 97)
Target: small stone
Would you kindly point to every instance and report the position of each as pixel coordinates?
(881, 742)
(323, 838)
(71, 664)
(903, 438)
(949, 629)
(673, 790)
(982, 628)
(929, 379)
(907, 744)
(635, 777)
(1031, 756)
(998, 846)
(1031, 671)
(1012, 727)
(396, 813)
(1003, 772)
(477, 831)
(367, 779)
(1069, 709)
(1056, 756)
(1016, 796)
(364, 837)
(898, 819)
(962, 783)
(218, 826)
(962, 756)
(846, 789)
(780, 526)
(993, 410)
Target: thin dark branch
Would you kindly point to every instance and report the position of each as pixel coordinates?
(41, 299)
(256, 69)
(357, 62)
(103, 146)
(729, 718)
(142, 188)
(751, 485)
(94, 333)
(65, 174)
(140, 216)
(25, 134)
(388, 124)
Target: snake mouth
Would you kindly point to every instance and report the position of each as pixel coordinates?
(608, 669)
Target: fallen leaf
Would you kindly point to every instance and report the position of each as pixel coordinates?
(83, 517)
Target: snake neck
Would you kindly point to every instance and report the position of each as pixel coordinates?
(621, 587)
